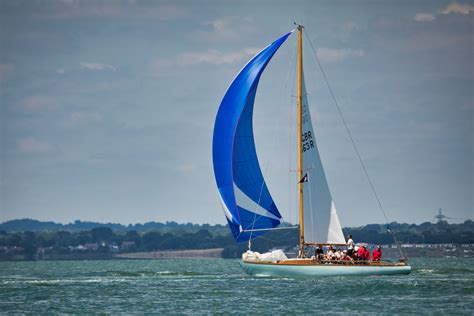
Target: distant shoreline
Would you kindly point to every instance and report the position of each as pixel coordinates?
(33, 240)
(174, 254)
(211, 253)
(458, 251)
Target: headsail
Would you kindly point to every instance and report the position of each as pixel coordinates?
(244, 194)
(321, 223)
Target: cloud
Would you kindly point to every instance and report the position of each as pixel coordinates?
(229, 27)
(32, 145)
(210, 57)
(455, 7)
(347, 29)
(70, 9)
(334, 55)
(81, 118)
(223, 27)
(60, 71)
(350, 26)
(97, 66)
(424, 17)
(38, 102)
(215, 57)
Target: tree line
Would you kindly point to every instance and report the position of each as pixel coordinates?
(108, 240)
(27, 224)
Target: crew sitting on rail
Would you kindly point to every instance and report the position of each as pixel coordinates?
(330, 254)
(366, 254)
(319, 253)
(360, 253)
(346, 257)
(377, 254)
(354, 253)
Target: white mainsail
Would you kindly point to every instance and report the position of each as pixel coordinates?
(321, 223)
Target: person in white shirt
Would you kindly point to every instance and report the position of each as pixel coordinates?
(350, 245)
(330, 254)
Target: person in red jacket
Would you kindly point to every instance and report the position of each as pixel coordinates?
(377, 254)
(360, 253)
(366, 254)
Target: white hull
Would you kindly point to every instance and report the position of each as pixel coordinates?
(282, 270)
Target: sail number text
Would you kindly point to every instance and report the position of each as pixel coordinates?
(307, 141)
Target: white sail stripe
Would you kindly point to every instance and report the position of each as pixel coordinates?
(247, 203)
(226, 210)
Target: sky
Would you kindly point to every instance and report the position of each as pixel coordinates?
(108, 107)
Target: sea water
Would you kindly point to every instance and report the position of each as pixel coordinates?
(436, 285)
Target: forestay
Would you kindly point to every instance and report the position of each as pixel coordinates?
(321, 223)
(244, 194)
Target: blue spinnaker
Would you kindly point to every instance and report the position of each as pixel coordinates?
(246, 200)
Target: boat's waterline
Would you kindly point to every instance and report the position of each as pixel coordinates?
(281, 270)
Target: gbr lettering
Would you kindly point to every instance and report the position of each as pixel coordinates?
(307, 141)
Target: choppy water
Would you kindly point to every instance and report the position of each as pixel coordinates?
(443, 285)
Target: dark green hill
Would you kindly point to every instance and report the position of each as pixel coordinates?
(29, 238)
(20, 225)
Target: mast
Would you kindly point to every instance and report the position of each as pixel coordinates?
(300, 132)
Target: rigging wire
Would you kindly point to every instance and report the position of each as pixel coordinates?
(353, 143)
(275, 242)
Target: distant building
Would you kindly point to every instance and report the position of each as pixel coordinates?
(91, 246)
(113, 246)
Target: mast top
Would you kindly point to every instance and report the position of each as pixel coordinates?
(299, 27)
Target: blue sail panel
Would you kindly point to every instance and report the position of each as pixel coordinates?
(236, 166)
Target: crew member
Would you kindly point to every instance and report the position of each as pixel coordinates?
(350, 245)
(330, 254)
(377, 254)
(319, 253)
(366, 254)
(360, 253)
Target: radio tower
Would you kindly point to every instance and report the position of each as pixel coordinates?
(440, 217)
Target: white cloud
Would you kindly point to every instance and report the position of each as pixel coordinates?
(38, 102)
(215, 57)
(32, 145)
(229, 27)
(220, 25)
(455, 7)
(69, 9)
(334, 55)
(81, 118)
(211, 57)
(347, 29)
(60, 71)
(424, 17)
(97, 66)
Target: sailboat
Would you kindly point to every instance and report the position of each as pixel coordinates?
(248, 206)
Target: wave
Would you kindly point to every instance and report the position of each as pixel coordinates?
(445, 271)
(151, 273)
